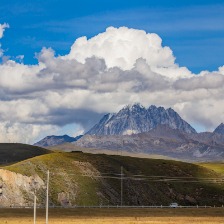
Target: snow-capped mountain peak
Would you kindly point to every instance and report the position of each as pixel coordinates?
(133, 119)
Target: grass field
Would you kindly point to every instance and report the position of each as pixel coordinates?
(118, 216)
(217, 167)
(77, 173)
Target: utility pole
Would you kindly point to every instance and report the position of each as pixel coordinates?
(122, 147)
(47, 199)
(35, 208)
(122, 175)
(34, 186)
(121, 186)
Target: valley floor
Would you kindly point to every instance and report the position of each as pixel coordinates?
(117, 215)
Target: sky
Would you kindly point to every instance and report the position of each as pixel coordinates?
(63, 64)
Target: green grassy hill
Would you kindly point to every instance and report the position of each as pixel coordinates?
(217, 167)
(14, 152)
(94, 179)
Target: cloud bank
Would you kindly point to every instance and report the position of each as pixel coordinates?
(117, 67)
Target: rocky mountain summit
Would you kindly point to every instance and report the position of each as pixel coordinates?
(153, 130)
(56, 140)
(138, 119)
(219, 129)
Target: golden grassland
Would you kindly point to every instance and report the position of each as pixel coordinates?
(116, 215)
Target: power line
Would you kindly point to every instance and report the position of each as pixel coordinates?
(154, 178)
(142, 175)
(160, 180)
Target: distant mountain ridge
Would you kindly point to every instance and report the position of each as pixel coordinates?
(219, 129)
(137, 119)
(162, 140)
(56, 140)
(155, 130)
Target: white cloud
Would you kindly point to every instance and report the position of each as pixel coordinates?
(2, 28)
(25, 133)
(208, 80)
(118, 67)
(121, 47)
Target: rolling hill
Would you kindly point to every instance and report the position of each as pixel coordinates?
(15, 152)
(95, 179)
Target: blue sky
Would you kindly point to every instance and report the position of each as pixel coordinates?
(66, 91)
(194, 30)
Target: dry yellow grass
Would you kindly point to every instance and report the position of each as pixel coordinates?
(118, 216)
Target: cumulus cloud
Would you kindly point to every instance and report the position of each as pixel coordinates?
(26, 133)
(100, 75)
(121, 47)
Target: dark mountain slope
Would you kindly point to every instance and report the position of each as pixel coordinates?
(220, 129)
(162, 140)
(14, 152)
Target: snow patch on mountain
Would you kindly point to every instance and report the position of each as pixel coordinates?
(134, 119)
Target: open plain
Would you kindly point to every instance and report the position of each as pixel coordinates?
(115, 215)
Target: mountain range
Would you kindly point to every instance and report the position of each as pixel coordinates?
(153, 130)
(161, 141)
(88, 177)
(56, 140)
(138, 119)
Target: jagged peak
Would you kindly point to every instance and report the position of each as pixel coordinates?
(138, 105)
(161, 108)
(136, 117)
(132, 106)
(221, 125)
(106, 117)
(156, 109)
(152, 107)
(171, 110)
(219, 129)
